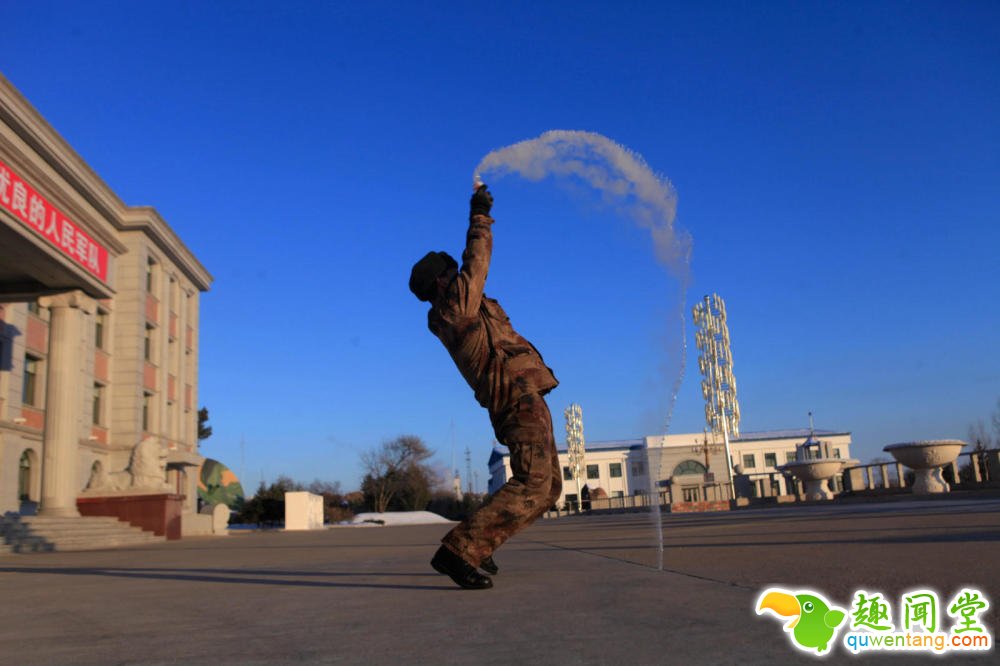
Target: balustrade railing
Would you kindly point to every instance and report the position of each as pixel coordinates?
(971, 470)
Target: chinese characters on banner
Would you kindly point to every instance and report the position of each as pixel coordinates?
(23, 202)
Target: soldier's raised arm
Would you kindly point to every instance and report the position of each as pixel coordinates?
(478, 250)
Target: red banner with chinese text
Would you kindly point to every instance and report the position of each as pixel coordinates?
(35, 212)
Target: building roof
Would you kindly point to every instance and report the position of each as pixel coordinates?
(499, 452)
(795, 433)
(613, 445)
(610, 445)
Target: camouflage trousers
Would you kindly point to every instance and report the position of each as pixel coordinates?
(526, 429)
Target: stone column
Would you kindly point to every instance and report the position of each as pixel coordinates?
(63, 397)
(883, 470)
(993, 464)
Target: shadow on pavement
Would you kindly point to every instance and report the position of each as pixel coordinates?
(232, 576)
(692, 541)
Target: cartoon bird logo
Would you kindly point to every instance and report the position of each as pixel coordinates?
(814, 622)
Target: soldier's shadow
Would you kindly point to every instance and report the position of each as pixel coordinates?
(276, 578)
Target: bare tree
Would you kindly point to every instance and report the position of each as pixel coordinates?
(996, 422)
(318, 487)
(979, 437)
(396, 471)
(417, 484)
(378, 486)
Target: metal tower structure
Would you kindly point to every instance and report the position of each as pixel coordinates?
(468, 469)
(575, 446)
(456, 481)
(718, 386)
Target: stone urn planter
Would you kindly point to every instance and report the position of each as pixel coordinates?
(926, 460)
(815, 475)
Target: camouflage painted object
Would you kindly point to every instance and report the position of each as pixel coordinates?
(217, 484)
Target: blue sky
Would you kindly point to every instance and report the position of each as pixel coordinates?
(836, 164)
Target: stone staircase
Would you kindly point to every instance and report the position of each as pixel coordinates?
(36, 534)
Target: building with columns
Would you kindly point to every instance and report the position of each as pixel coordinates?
(98, 325)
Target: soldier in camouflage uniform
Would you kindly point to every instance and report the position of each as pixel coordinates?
(509, 379)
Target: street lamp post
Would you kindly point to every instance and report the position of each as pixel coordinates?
(705, 448)
(718, 386)
(574, 446)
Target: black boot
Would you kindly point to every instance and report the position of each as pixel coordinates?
(489, 566)
(464, 574)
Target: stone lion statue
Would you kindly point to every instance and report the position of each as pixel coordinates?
(146, 470)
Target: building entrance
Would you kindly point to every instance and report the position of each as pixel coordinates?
(27, 483)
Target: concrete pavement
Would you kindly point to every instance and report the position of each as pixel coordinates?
(577, 590)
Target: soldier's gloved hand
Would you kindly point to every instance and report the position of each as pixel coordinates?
(481, 202)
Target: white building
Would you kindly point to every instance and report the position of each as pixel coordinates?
(626, 467)
(615, 467)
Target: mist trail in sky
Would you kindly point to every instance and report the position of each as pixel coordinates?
(619, 174)
(635, 192)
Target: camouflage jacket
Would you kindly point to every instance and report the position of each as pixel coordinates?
(496, 361)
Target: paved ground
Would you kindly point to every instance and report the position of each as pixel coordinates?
(578, 590)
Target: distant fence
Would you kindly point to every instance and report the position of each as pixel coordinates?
(688, 493)
(621, 504)
(970, 471)
(770, 486)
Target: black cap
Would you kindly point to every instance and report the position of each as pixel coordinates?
(426, 271)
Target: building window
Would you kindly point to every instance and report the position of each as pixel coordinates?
(29, 394)
(770, 460)
(567, 474)
(24, 478)
(836, 453)
(147, 400)
(638, 468)
(689, 467)
(593, 472)
(789, 456)
(100, 324)
(98, 400)
(34, 309)
(617, 493)
(749, 462)
(571, 500)
(690, 494)
(615, 470)
(150, 268)
(147, 349)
